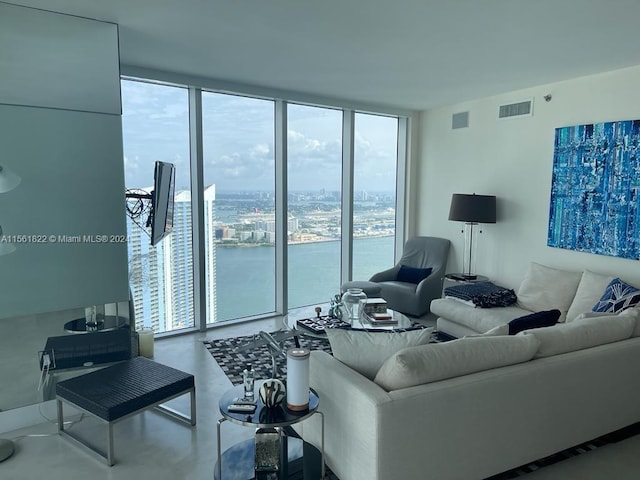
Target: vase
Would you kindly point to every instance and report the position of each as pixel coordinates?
(353, 303)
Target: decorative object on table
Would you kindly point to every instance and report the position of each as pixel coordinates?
(145, 342)
(94, 317)
(320, 325)
(353, 303)
(318, 310)
(335, 306)
(472, 210)
(298, 379)
(594, 205)
(375, 305)
(248, 379)
(272, 392)
(267, 450)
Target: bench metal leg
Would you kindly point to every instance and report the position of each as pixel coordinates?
(109, 456)
(173, 413)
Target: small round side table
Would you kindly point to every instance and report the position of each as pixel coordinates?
(278, 418)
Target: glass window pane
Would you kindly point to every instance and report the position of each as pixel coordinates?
(314, 143)
(374, 199)
(155, 125)
(239, 177)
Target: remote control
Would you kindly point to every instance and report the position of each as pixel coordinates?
(243, 401)
(241, 408)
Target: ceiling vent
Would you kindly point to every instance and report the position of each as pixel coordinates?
(460, 120)
(520, 109)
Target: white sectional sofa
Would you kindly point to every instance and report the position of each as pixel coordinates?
(543, 288)
(475, 407)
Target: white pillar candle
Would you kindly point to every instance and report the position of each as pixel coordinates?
(145, 342)
(298, 379)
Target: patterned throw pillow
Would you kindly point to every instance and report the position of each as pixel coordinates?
(618, 296)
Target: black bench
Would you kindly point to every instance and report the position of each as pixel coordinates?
(122, 390)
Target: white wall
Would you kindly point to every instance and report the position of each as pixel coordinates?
(512, 159)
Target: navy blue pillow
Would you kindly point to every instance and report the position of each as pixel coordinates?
(535, 320)
(413, 275)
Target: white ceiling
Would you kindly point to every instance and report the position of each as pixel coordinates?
(410, 54)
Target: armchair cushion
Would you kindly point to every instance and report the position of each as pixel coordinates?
(412, 274)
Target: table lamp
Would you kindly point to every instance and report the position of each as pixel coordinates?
(472, 210)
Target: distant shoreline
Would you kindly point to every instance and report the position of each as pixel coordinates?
(253, 245)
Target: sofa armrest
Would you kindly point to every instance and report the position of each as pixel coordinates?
(388, 275)
(350, 404)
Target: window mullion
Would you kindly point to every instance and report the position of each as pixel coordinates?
(282, 217)
(346, 231)
(197, 208)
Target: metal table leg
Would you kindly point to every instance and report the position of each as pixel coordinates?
(219, 448)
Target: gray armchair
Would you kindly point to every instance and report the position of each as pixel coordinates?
(414, 298)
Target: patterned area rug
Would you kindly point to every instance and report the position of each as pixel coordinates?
(233, 362)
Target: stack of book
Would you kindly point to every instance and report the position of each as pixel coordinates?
(376, 313)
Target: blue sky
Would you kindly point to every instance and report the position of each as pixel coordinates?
(238, 142)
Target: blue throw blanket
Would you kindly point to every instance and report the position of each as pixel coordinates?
(483, 294)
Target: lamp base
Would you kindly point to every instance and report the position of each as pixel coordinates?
(6, 449)
(469, 276)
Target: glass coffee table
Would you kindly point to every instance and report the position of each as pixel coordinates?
(298, 459)
(296, 321)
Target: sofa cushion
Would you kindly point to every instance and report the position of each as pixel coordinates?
(617, 296)
(629, 312)
(546, 318)
(366, 351)
(438, 361)
(477, 319)
(412, 275)
(546, 288)
(589, 291)
(578, 335)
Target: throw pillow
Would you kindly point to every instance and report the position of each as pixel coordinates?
(366, 351)
(589, 290)
(438, 361)
(535, 320)
(582, 334)
(412, 275)
(546, 288)
(617, 296)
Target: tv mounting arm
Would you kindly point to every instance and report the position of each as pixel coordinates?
(140, 207)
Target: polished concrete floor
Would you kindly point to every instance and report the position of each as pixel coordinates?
(152, 446)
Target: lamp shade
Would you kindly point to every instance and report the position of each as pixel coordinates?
(8, 180)
(473, 208)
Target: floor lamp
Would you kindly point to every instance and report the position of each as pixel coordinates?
(8, 181)
(472, 210)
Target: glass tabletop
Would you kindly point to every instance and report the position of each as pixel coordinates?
(297, 320)
(265, 417)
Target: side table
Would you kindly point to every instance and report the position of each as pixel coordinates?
(298, 459)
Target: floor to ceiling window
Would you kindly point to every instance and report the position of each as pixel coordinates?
(234, 256)
(374, 193)
(155, 124)
(314, 161)
(239, 179)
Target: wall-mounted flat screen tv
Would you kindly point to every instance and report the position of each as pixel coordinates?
(162, 197)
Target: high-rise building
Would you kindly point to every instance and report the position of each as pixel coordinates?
(161, 277)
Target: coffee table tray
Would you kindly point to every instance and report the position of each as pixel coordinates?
(321, 324)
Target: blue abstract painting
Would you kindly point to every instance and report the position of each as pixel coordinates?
(595, 203)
